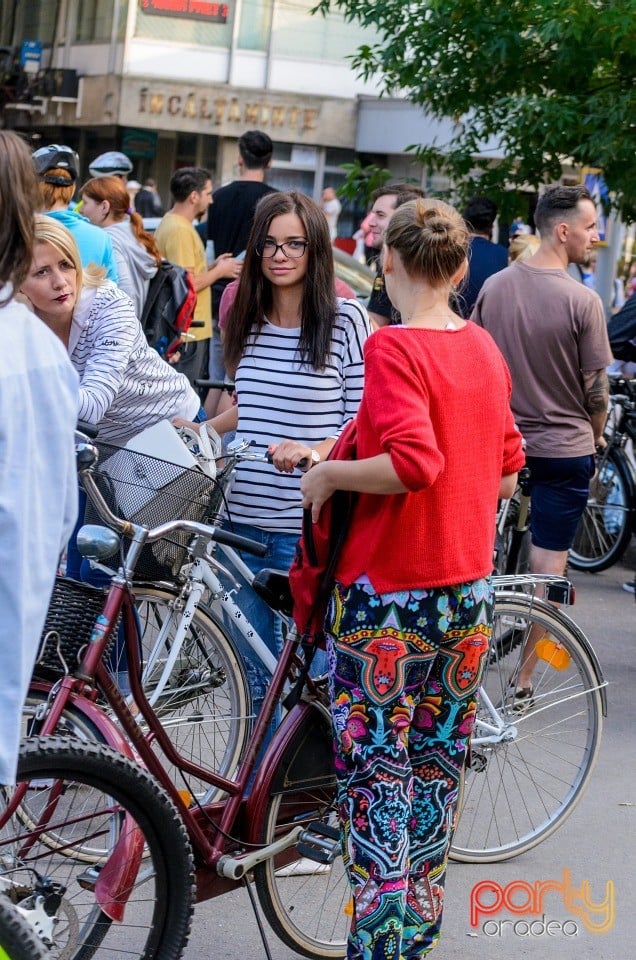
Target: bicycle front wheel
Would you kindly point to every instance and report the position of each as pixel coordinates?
(205, 703)
(605, 529)
(529, 760)
(141, 872)
(18, 939)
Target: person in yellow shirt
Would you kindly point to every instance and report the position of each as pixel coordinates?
(179, 242)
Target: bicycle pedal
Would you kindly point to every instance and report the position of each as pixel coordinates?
(323, 830)
(311, 852)
(319, 842)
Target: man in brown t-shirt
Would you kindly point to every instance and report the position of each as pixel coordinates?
(553, 334)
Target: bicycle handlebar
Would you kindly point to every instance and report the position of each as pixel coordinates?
(88, 429)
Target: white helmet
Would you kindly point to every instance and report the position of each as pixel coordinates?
(111, 163)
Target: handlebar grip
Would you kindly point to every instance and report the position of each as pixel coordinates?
(215, 385)
(88, 429)
(240, 543)
(301, 463)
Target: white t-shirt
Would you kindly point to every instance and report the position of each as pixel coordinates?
(281, 398)
(38, 499)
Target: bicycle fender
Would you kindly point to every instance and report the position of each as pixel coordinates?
(112, 735)
(300, 756)
(117, 877)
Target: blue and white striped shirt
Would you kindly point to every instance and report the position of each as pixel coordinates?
(281, 398)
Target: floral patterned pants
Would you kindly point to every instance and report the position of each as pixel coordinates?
(404, 669)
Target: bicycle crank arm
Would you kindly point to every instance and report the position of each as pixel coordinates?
(234, 868)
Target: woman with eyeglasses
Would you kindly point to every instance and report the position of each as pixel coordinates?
(295, 351)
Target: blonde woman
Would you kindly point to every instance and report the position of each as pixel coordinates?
(125, 386)
(522, 247)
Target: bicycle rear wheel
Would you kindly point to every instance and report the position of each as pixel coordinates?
(18, 939)
(529, 764)
(307, 903)
(80, 795)
(205, 706)
(605, 529)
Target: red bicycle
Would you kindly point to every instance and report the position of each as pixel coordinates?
(106, 830)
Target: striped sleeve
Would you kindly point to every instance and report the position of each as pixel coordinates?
(104, 356)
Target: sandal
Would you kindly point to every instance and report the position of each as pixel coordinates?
(521, 699)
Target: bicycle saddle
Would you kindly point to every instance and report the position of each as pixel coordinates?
(272, 586)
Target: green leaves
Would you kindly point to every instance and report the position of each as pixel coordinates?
(552, 79)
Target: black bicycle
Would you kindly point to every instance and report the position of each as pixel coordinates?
(609, 520)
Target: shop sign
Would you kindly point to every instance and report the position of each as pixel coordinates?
(187, 9)
(139, 143)
(227, 110)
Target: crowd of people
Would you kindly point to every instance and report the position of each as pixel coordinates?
(446, 379)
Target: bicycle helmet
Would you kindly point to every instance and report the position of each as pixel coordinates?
(111, 163)
(56, 157)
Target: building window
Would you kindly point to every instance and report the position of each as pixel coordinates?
(256, 17)
(175, 29)
(30, 21)
(298, 34)
(95, 21)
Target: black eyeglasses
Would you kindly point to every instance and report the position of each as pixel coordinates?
(291, 248)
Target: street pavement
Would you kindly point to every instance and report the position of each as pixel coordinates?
(597, 844)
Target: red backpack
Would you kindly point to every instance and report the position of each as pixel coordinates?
(169, 308)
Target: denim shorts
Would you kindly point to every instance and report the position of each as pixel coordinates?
(559, 488)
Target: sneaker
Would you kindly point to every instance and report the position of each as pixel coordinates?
(630, 586)
(303, 868)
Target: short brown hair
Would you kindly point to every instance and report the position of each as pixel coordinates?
(431, 239)
(18, 201)
(558, 203)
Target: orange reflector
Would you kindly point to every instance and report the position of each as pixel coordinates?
(348, 910)
(553, 653)
(186, 797)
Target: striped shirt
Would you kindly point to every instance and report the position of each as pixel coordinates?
(125, 386)
(281, 398)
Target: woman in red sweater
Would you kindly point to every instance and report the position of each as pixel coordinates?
(410, 617)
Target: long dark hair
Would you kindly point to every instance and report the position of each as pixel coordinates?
(18, 200)
(254, 298)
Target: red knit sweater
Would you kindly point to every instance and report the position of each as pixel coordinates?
(438, 403)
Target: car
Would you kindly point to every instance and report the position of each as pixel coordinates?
(357, 275)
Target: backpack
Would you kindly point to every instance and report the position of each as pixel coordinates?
(169, 308)
(621, 330)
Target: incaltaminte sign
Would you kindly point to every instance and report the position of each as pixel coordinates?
(188, 9)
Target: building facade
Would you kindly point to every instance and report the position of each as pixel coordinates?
(176, 82)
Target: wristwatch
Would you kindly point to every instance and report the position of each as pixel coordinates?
(315, 457)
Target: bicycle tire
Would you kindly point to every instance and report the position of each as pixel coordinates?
(516, 792)
(18, 939)
(306, 904)
(208, 717)
(605, 529)
(82, 790)
(512, 546)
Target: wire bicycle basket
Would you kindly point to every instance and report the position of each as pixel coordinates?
(149, 491)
